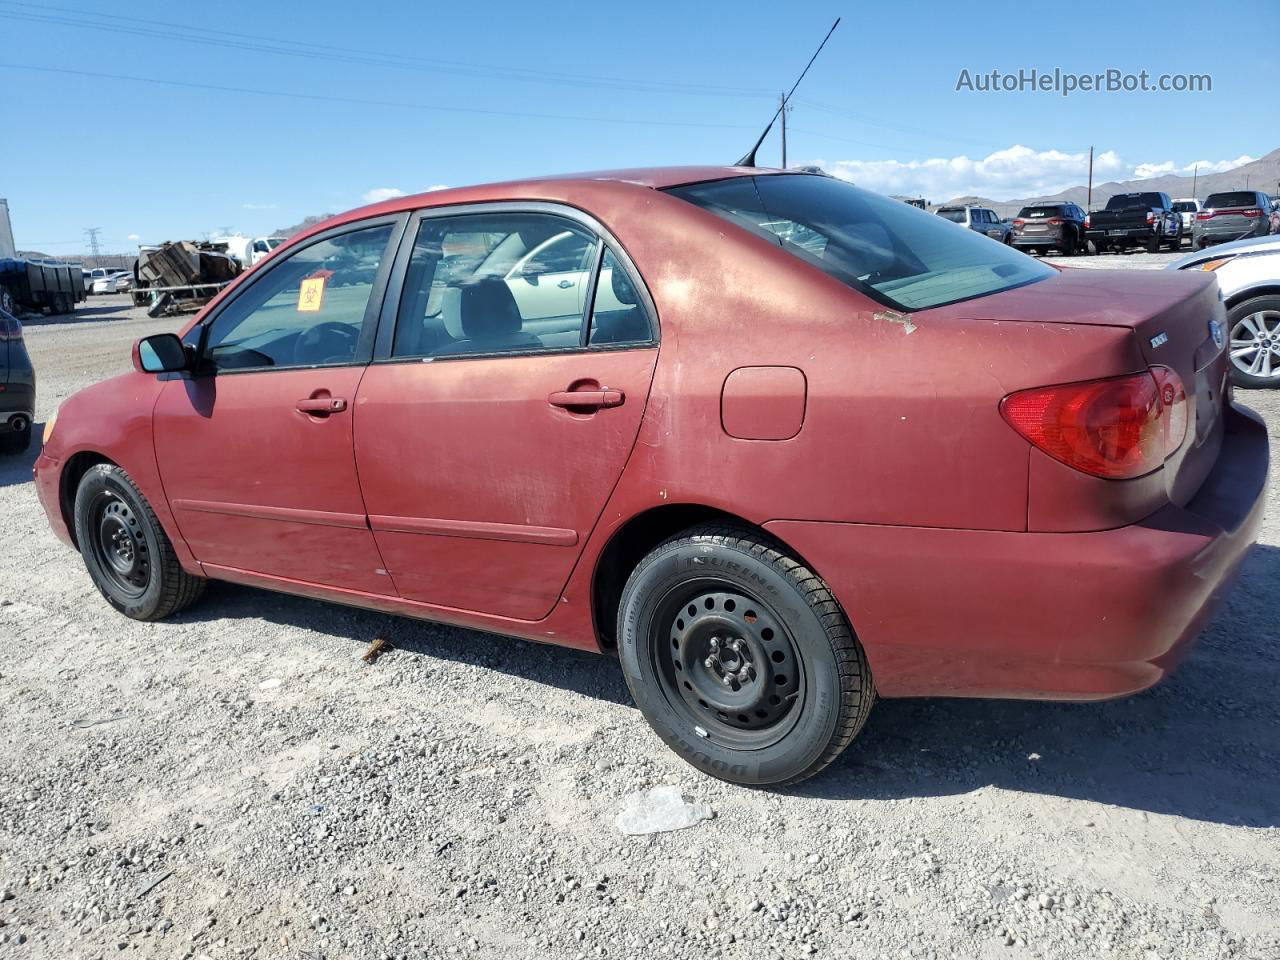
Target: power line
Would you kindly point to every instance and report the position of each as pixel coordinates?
(155, 29)
(358, 101)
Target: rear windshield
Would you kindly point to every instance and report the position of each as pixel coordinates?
(1184, 206)
(1240, 198)
(954, 214)
(1142, 201)
(892, 252)
(1041, 212)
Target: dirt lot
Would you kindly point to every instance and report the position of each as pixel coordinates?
(237, 783)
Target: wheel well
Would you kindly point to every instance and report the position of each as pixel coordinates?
(72, 472)
(629, 546)
(1250, 294)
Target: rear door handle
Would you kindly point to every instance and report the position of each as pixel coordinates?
(322, 406)
(586, 398)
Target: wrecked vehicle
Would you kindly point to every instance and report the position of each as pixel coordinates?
(780, 444)
(176, 277)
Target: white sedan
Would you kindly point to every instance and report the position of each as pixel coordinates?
(1248, 273)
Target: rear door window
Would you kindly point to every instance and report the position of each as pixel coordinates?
(481, 284)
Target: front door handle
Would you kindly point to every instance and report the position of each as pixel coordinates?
(322, 406)
(565, 284)
(572, 399)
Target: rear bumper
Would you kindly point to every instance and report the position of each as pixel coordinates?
(1239, 230)
(16, 398)
(1037, 239)
(1124, 234)
(1062, 616)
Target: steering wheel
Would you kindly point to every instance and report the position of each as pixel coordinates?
(326, 342)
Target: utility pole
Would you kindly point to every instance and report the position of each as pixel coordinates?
(1088, 204)
(784, 131)
(1195, 174)
(94, 247)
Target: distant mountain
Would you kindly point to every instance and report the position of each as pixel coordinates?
(299, 227)
(1261, 174)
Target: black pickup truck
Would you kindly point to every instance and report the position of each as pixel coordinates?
(1135, 219)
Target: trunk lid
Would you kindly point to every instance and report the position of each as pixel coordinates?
(1171, 315)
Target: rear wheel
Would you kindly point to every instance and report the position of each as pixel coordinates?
(740, 658)
(1254, 345)
(127, 553)
(1068, 247)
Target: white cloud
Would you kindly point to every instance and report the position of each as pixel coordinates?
(378, 194)
(1006, 174)
(133, 237)
(257, 206)
(1144, 170)
(435, 187)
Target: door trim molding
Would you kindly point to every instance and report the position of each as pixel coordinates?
(285, 514)
(475, 530)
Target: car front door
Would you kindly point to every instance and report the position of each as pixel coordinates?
(489, 434)
(255, 448)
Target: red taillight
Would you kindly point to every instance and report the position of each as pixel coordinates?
(1253, 214)
(1086, 222)
(10, 329)
(1019, 222)
(1205, 215)
(1055, 222)
(1117, 428)
(1151, 216)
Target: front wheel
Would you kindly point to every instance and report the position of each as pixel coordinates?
(740, 658)
(1254, 345)
(127, 552)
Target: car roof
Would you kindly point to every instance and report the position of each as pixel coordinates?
(560, 187)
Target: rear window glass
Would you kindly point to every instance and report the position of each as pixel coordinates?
(1140, 201)
(954, 214)
(892, 252)
(1184, 206)
(1239, 198)
(1041, 212)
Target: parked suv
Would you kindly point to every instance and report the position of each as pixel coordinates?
(1135, 219)
(1232, 215)
(1186, 208)
(981, 219)
(17, 387)
(1044, 225)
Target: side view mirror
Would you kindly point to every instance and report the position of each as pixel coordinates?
(160, 353)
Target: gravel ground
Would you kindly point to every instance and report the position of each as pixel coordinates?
(237, 783)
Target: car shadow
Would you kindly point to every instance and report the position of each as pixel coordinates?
(82, 314)
(15, 468)
(1205, 744)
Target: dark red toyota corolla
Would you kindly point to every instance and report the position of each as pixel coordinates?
(782, 444)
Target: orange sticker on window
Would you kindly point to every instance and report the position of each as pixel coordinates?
(311, 294)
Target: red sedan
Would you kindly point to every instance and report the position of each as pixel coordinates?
(781, 444)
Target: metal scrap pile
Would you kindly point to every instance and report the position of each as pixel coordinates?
(174, 277)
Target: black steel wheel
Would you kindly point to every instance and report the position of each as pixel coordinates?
(740, 658)
(125, 549)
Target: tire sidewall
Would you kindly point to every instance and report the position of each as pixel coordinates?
(1234, 315)
(816, 724)
(101, 479)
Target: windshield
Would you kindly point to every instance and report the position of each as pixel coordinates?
(952, 214)
(893, 252)
(1184, 206)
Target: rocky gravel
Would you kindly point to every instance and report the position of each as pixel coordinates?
(238, 782)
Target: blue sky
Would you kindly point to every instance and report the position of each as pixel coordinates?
(403, 96)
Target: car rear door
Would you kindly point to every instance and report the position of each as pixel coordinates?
(489, 435)
(256, 449)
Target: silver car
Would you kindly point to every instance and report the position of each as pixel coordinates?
(1248, 273)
